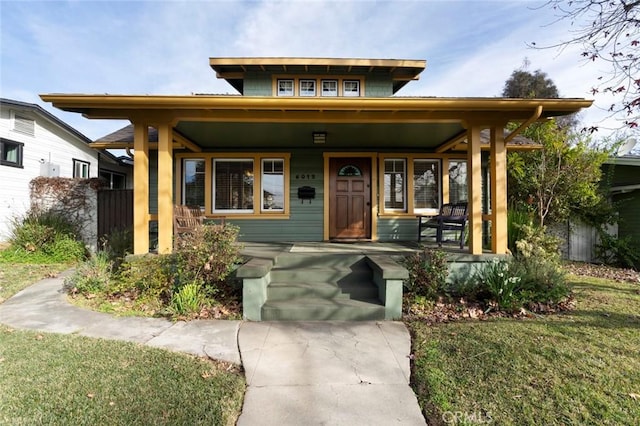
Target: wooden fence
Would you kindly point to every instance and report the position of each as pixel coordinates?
(115, 210)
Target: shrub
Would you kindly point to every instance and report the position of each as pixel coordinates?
(117, 245)
(46, 237)
(91, 276)
(209, 253)
(428, 272)
(617, 251)
(190, 299)
(535, 242)
(149, 276)
(500, 282)
(517, 217)
(542, 281)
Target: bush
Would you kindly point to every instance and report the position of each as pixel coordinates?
(46, 237)
(209, 253)
(542, 281)
(535, 242)
(92, 276)
(149, 276)
(517, 217)
(117, 245)
(428, 272)
(617, 251)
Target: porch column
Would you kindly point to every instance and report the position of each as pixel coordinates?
(498, 191)
(474, 165)
(140, 188)
(165, 189)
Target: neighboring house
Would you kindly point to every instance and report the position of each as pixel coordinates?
(33, 143)
(317, 150)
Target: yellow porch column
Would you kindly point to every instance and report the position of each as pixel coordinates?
(141, 188)
(165, 189)
(474, 165)
(498, 191)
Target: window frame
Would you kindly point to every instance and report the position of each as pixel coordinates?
(405, 200)
(287, 93)
(263, 209)
(257, 213)
(184, 181)
(427, 210)
(240, 211)
(77, 162)
(350, 94)
(19, 163)
(329, 80)
(306, 94)
(103, 173)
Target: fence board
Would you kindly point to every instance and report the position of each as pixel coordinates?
(115, 210)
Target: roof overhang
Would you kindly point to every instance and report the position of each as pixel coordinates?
(234, 69)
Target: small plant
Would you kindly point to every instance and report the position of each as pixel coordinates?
(542, 281)
(117, 245)
(617, 251)
(500, 283)
(91, 276)
(517, 217)
(188, 300)
(428, 272)
(147, 276)
(535, 242)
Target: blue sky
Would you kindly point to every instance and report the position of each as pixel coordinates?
(163, 47)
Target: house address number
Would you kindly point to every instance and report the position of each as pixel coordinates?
(306, 176)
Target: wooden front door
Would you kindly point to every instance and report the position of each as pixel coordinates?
(350, 198)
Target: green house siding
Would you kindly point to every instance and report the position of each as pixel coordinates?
(378, 87)
(258, 84)
(305, 221)
(397, 229)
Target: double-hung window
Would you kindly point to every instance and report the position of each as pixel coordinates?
(329, 87)
(307, 87)
(80, 169)
(285, 87)
(426, 186)
(351, 88)
(11, 153)
(193, 182)
(272, 184)
(395, 186)
(458, 189)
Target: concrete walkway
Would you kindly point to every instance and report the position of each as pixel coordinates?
(311, 373)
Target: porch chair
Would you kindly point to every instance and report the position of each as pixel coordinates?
(185, 219)
(452, 217)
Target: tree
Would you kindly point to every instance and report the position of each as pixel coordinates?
(560, 179)
(608, 32)
(523, 84)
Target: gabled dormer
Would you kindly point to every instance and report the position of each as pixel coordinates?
(317, 77)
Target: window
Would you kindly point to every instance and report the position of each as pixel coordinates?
(115, 180)
(351, 88)
(24, 124)
(11, 153)
(394, 185)
(307, 87)
(273, 184)
(329, 87)
(80, 169)
(285, 87)
(193, 182)
(426, 185)
(458, 189)
(233, 185)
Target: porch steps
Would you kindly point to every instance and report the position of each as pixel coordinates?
(314, 287)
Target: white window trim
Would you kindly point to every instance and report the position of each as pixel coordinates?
(293, 87)
(82, 164)
(304, 93)
(329, 80)
(350, 94)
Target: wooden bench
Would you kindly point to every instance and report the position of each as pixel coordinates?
(186, 219)
(452, 217)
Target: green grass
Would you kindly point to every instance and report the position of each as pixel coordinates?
(67, 379)
(580, 367)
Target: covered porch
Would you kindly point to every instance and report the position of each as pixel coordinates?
(374, 129)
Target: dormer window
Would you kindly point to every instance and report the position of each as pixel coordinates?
(285, 87)
(329, 87)
(307, 87)
(351, 88)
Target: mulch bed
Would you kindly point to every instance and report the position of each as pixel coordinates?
(603, 271)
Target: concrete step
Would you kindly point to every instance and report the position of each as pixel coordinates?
(325, 275)
(321, 260)
(319, 309)
(288, 290)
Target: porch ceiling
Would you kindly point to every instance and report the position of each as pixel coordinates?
(414, 136)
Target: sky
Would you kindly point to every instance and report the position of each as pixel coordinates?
(163, 47)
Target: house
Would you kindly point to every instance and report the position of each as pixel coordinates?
(33, 143)
(316, 149)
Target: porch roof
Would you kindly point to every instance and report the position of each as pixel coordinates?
(214, 121)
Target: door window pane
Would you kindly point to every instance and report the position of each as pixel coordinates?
(394, 184)
(233, 185)
(426, 185)
(193, 182)
(273, 185)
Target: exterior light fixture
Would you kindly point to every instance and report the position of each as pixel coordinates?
(319, 137)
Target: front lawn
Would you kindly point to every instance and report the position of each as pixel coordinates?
(17, 276)
(67, 379)
(578, 367)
